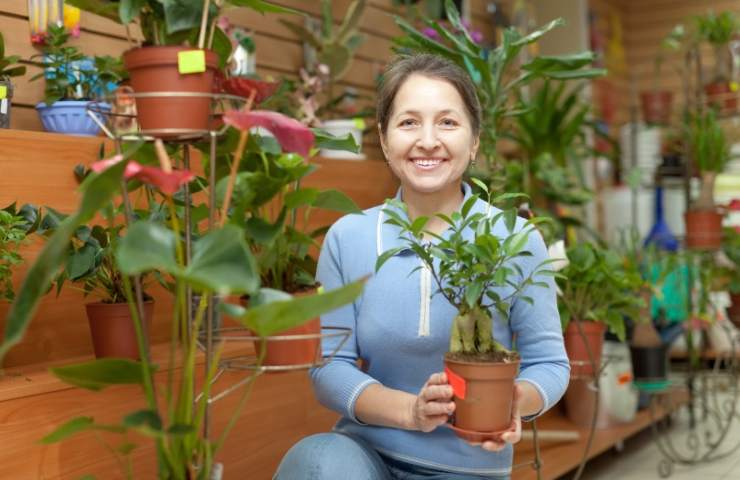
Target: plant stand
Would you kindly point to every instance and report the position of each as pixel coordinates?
(117, 124)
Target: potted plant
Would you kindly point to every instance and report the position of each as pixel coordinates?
(656, 103)
(731, 248)
(8, 69)
(181, 51)
(476, 269)
(173, 415)
(274, 210)
(329, 57)
(718, 30)
(15, 225)
(72, 82)
(710, 150)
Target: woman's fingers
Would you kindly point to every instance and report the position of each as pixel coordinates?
(437, 379)
(433, 393)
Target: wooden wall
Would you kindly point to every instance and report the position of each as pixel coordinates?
(279, 52)
(646, 23)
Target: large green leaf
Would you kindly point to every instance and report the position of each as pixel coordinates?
(105, 9)
(325, 140)
(337, 201)
(147, 246)
(182, 15)
(276, 316)
(78, 424)
(97, 191)
(264, 7)
(101, 373)
(129, 10)
(222, 263)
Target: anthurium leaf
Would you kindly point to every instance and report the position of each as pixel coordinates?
(337, 201)
(274, 317)
(128, 10)
(146, 420)
(101, 373)
(81, 262)
(97, 191)
(327, 141)
(301, 197)
(73, 426)
(263, 231)
(147, 246)
(222, 263)
(264, 7)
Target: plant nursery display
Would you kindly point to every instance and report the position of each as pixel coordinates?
(476, 266)
(718, 30)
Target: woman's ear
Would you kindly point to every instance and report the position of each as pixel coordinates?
(382, 142)
(474, 148)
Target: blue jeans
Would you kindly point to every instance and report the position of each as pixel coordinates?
(338, 456)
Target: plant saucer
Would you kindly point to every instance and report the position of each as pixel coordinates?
(474, 436)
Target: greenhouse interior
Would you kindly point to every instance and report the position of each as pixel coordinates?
(370, 239)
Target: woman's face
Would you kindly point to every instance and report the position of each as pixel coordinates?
(429, 140)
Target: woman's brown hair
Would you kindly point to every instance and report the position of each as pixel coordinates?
(431, 66)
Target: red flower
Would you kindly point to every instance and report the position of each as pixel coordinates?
(243, 87)
(168, 183)
(292, 135)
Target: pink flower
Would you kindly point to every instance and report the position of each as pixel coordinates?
(292, 135)
(168, 183)
(429, 32)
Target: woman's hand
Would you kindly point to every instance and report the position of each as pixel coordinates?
(514, 433)
(433, 406)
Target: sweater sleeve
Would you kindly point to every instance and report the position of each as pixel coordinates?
(544, 363)
(340, 382)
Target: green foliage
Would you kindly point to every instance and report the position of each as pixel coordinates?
(731, 248)
(710, 147)
(496, 73)
(596, 286)
(717, 29)
(476, 270)
(7, 64)
(66, 77)
(15, 226)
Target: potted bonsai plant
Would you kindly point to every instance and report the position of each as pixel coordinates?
(72, 82)
(8, 69)
(274, 210)
(476, 270)
(181, 51)
(710, 151)
(718, 30)
(656, 103)
(329, 57)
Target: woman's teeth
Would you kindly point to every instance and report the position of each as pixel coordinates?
(423, 162)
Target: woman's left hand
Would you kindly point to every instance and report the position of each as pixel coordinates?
(514, 433)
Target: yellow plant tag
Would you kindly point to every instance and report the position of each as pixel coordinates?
(734, 86)
(320, 290)
(359, 123)
(191, 61)
(3, 91)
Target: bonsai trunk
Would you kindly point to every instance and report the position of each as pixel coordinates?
(706, 195)
(472, 332)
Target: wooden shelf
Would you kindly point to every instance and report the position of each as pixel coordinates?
(558, 458)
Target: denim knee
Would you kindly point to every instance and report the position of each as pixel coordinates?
(331, 456)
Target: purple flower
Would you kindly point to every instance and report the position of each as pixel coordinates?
(431, 33)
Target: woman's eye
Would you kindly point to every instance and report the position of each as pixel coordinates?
(407, 122)
(448, 122)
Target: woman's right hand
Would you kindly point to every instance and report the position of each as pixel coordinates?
(433, 406)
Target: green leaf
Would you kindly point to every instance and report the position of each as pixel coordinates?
(222, 47)
(577, 74)
(222, 263)
(129, 10)
(514, 244)
(385, 256)
(147, 246)
(143, 419)
(336, 201)
(104, 9)
(480, 184)
(97, 192)
(81, 262)
(325, 140)
(473, 293)
(263, 7)
(301, 198)
(274, 317)
(76, 425)
(101, 373)
(534, 36)
(180, 429)
(262, 231)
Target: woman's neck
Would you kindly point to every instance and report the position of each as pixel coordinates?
(428, 204)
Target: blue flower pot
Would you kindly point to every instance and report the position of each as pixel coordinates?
(69, 117)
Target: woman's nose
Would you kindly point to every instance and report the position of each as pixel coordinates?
(428, 139)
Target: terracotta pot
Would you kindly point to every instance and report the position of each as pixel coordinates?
(720, 96)
(285, 352)
(656, 107)
(112, 329)
(489, 390)
(703, 229)
(155, 69)
(733, 311)
(576, 348)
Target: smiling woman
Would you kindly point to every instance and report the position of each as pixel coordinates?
(396, 409)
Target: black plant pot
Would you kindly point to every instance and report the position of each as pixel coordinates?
(649, 364)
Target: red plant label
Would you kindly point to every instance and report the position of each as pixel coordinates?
(457, 382)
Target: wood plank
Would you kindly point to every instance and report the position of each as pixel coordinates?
(560, 458)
